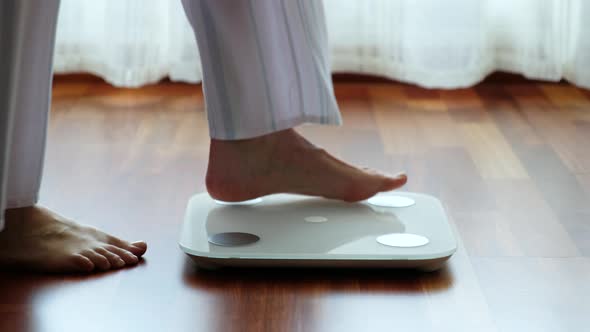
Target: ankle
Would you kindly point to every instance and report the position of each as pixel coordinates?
(19, 213)
(241, 169)
(255, 153)
(266, 142)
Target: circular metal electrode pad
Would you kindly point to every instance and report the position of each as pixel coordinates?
(233, 239)
(402, 240)
(391, 201)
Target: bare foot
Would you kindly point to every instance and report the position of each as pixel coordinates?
(285, 162)
(36, 239)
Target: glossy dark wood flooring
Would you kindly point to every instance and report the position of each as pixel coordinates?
(510, 161)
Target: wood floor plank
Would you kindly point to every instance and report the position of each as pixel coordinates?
(561, 191)
(513, 124)
(438, 128)
(492, 155)
(532, 294)
(462, 99)
(559, 131)
(464, 105)
(535, 226)
(528, 96)
(424, 100)
(395, 122)
(454, 178)
(488, 234)
(555, 181)
(565, 96)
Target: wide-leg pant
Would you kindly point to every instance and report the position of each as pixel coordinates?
(265, 63)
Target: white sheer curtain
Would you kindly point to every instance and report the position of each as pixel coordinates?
(433, 43)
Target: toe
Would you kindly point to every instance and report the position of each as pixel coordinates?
(391, 183)
(128, 257)
(137, 248)
(114, 259)
(81, 263)
(101, 262)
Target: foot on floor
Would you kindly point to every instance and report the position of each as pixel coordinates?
(37, 239)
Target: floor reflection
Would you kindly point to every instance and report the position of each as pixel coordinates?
(310, 299)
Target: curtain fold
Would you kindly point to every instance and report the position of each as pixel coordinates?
(432, 43)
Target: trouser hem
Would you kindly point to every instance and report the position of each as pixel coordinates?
(20, 202)
(279, 126)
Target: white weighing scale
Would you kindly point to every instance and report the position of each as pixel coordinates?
(395, 230)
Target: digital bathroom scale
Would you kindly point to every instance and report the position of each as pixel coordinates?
(394, 230)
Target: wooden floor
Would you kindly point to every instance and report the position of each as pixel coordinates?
(510, 161)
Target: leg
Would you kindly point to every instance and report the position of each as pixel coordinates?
(266, 70)
(34, 237)
(8, 79)
(265, 65)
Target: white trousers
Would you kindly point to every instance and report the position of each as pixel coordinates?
(265, 63)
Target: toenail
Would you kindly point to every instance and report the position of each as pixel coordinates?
(139, 244)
